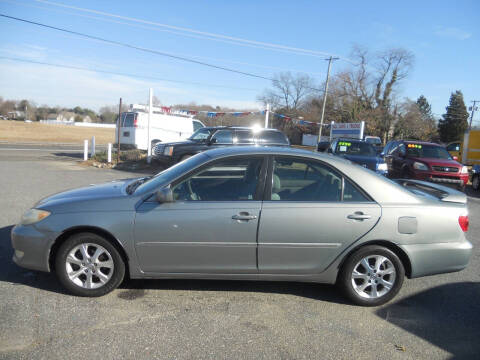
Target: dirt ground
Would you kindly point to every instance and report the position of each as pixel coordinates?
(19, 131)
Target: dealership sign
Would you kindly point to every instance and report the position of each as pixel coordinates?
(348, 130)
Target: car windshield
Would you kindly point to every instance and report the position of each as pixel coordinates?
(427, 151)
(374, 141)
(201, 134)
(355, 148)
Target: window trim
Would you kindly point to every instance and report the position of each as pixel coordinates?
(267, 195)
(259, 190)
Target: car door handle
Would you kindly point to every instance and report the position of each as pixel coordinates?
(359, 216)
(244, 216)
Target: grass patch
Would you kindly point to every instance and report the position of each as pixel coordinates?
(19, 131)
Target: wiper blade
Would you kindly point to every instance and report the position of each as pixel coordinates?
(133, 185)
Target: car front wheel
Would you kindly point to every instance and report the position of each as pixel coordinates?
(89, 265)
(371, 276)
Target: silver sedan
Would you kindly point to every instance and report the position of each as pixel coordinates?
(250, 213)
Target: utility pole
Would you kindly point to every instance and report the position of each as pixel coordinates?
(119, 124)
(330, 59)
(473, 111)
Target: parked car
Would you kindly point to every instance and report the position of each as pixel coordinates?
(360, 152)
(425, 161)
(163, 127)
(476, 177)
(376, 142)
(467, 151)
(212, 137)
(251, 213)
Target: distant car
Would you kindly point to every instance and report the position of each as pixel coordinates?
(249, 213)
(424, 161)
(323, 146)
(360, 152)
(476, 177)
(454, 149)
(213, 137)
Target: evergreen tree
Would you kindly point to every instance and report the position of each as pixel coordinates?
(429, 125)
(455, 121)
(425, 108)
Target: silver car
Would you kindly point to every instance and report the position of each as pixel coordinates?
(250, 213)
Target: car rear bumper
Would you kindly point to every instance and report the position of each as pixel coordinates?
(31, 248)
(430, 259)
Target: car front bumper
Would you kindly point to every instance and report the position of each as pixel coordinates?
(32, 247)
(438, 258)
(453, 179)
(164, 160)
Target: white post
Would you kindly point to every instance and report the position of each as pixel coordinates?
(266, 115)
(85, 150)
(149, 145)
(93, 146)
(109, 153)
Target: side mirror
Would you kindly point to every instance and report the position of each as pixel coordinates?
(455, 158)
(164, 195)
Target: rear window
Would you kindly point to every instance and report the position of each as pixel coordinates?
(128, 119)
(272, 137)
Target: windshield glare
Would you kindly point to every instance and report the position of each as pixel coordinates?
(355, 148)
(427, 151)
(200, 134)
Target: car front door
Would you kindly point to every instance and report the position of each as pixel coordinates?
(311, 215)
(211, 227)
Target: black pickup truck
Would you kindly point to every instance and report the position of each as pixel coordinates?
(212, 137)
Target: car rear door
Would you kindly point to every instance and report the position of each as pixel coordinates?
(311, 214)
(212, 225)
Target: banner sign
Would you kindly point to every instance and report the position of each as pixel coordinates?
(347, 130)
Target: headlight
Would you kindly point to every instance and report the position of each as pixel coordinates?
(33, 215)
(382, 167)
(168, 150)
(420, 166)
(464, 170)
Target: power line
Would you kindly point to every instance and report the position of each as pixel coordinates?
(204, 34)
(136, 76)
(152, 51)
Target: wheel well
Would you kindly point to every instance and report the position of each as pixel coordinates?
(81, 229)
(389, 245)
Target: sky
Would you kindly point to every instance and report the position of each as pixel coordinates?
(443, 35)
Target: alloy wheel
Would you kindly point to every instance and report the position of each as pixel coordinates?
(373, 276)
(89, 266)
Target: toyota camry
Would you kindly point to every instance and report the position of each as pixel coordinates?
(250, 213)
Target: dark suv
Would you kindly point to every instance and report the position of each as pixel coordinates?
(424, 161)
(212, 137)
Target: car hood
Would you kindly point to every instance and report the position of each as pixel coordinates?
(180, 143)
(437, 162)
(113, 189)
(369, 162)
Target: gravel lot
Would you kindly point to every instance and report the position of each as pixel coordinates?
(432, 318)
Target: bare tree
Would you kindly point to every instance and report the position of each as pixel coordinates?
(288, 91)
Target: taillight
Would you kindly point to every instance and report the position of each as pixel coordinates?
(135, 121)
(463, 221)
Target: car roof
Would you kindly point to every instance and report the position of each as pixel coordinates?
(419, 142)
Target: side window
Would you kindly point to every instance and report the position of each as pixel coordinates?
(223, 137)
(128, 119)
(243, 137)
(272, 137)
(304, 180)
(392, 148)
(228, 180)
(351, 194)
(197, 125)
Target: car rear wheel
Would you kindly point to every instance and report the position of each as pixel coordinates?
(89, 265)
(371, 276)
(476, 182)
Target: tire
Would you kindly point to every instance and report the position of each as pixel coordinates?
(476, 182)
(103, 279)
(405, 173)
(389, 262)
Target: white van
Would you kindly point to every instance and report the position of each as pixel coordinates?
(164, 127)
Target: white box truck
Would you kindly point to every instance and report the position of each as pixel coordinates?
(164, 127)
